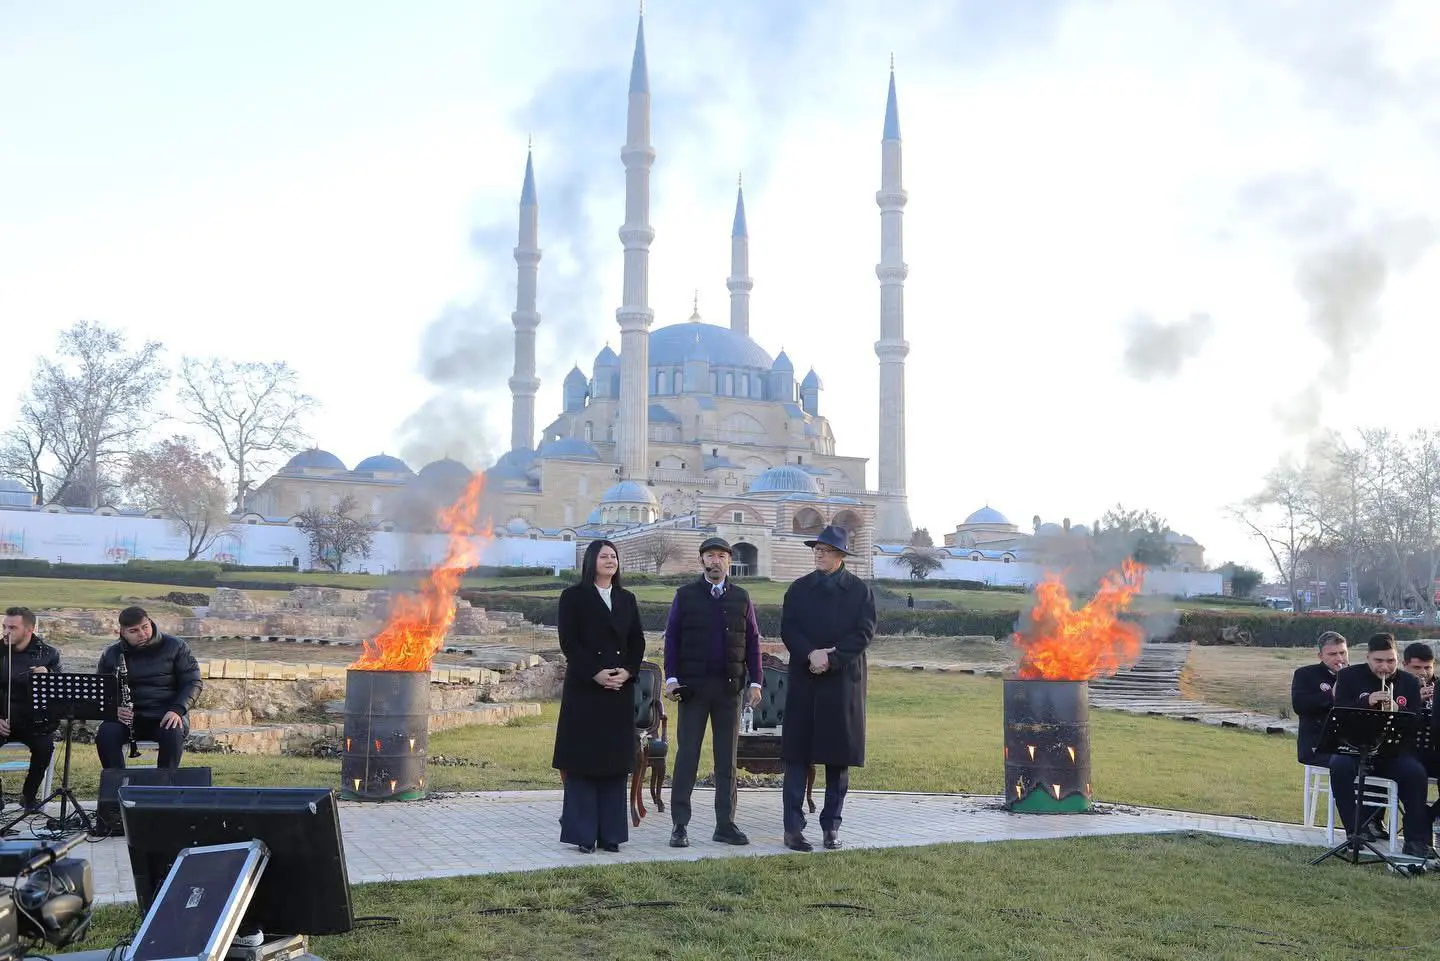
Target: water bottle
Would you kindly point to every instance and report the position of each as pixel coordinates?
(747, 720)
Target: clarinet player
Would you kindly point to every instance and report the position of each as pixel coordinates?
(164, 682)
(26, 653)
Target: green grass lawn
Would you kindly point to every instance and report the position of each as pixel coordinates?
(41, 593)
(927, 732)
(1093, 899)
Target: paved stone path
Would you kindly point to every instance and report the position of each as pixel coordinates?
(492, 832)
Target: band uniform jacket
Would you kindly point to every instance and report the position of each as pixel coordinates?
(1356, 683)
(162, 675)
(825, 713)
(1312, 695)
(595, 733)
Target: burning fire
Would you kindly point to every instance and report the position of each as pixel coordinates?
(1064, 644)
(415, 630)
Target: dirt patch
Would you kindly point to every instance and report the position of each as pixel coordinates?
(1249, 678)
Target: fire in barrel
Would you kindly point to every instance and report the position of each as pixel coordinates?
(387, 690)
(1047, 703)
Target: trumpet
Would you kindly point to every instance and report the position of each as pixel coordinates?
(1385, 688)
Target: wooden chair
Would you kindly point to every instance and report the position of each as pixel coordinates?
(759, 752)
(651, 740)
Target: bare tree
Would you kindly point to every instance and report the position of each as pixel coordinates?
(253, 409)
(661, 550)
(336, 536)
(922, 561)
(25, 449)
(180, 482)
(1421, 482)
(1281, 517)
(920, 537)
(84, 410)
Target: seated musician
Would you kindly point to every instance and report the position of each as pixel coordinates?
(1420, 663)
(27, 654)
(164, 682)
(1380, 685)
(1312, 694)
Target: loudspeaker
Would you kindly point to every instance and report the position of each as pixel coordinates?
(107, 810)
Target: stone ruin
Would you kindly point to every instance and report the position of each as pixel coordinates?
(328, 612)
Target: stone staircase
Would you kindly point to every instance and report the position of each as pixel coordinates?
(1152, 687)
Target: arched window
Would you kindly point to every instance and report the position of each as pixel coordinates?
(744, 385)
(730, 383)
(589, 431)
(662, 381)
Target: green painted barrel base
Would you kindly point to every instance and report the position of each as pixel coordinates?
(414, 795)
(1042, 802)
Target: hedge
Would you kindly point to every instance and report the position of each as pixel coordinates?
(906, 583)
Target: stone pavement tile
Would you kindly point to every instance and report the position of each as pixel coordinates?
(486, 833)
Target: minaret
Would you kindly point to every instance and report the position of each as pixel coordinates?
(739, 280)
(892, 514)
(524, 383)
(634, 315)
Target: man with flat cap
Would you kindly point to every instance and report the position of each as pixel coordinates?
(712, 644)
(827, 623)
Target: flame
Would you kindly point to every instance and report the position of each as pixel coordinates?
(377, 744)
(1018, 785)
(415, 630)
(347, 744)
(1064, 644)
(1032, 751)
(1072, 754)
(1057, 791)
(357, 783)
(412, 745)
(392, 785)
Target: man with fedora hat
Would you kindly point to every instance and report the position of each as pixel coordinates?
(827, 623)
(712, 643)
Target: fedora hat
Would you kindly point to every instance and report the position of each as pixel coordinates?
(715, 544)
(832, 536)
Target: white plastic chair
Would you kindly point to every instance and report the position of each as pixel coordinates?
(1379, 792)
(15, 760)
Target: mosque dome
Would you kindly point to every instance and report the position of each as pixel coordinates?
(1050, 530)
(383, 464)
(569, 448)
(445, 469)
(812, 381)
(987, 515)
(629, 492)
(720, 346)
(314, 459)
(785, 479)
(512, 466)
(517, 525)
(15, 494)
(577, 377)
(782, 362)
(608, 357)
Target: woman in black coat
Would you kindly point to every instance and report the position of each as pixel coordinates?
(603, 643)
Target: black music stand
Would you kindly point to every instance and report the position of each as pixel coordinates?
(1365, 734)
(68, 698)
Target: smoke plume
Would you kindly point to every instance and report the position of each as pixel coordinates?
(1156, 350)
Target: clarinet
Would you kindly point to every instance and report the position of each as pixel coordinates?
(126, 701)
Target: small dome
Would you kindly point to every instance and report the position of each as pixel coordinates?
(1079, 530)
(812, 381)
(511, 465)
(987, 515)
(1173, 538)
(569, 448)
(607, 358)
(445, 469)
(629, 492)
(576, 377)
(782, 362)
(517, 525)
(787, 479)
(659, 415)
(1050, 530)
(595, 517)
(383, 464)
(314, 459)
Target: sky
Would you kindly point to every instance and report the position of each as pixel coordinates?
(1154, 246)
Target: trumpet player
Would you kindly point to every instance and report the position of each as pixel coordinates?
(1420, 663)
(1380, 685)
(26, 654)
(164, 683)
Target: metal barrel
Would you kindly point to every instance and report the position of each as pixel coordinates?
(1047, 746)
(387, 735)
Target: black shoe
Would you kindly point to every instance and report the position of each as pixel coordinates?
(832, 840)
(587, 848)
(31, 806)
(731, 835)
(679, 839)
(610, 846)
(1374, 831)
(1416, 849)
(797, 842)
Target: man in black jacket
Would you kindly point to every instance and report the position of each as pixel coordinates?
(27, 654)
(1380, 685)
(1312, 694)
(164, 683)
(712, 644)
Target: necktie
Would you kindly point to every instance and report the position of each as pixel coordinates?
(716, 590)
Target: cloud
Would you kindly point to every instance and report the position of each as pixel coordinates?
(1155, 350)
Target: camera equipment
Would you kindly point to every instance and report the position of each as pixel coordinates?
(52, 897)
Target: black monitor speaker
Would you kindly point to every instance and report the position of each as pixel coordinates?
(107, 809)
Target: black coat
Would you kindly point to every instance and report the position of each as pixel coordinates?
(163, 675)
(1355, 684)
(1312, 694)
(595, 734)
(825, 713)
(36, 654)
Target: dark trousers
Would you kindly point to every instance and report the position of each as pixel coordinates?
(792, 796)
(711, 700)
(594, 810)
(42, 747)
(111, 740)
(1409, 776)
